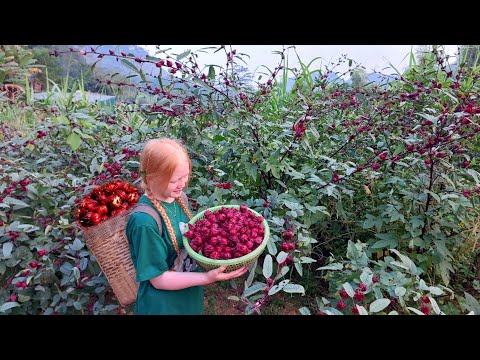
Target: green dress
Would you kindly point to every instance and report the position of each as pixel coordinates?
(152, 255)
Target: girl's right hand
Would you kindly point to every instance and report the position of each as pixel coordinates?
(219, 274)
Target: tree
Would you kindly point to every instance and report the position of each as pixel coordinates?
(422, 54)
(359, 77)
(469, 55)
(72, 65)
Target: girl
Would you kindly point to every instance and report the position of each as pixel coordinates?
(170, 283)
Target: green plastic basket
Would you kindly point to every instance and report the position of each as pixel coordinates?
(231, 264)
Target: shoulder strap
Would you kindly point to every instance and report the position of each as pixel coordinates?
(184, 198)
(150, 211)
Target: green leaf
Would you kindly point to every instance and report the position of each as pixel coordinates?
(373, 221)
(410, 265)
(281, 257)
(142, 75)
(74, 140)
(382, 244)
(400, 291)
(293, 205)
(434, 305)
(299, 268)
(307, 260)
(253, 289)
(272, 249)
(7, 248)
(398, 149)
(435, 290)
(18, 204)
(184, 54)
(251, 170)
(211, 72)
(348, 288)
(277, 221)
(251, 275)
(474, 174)
(304, 311)
(159, 77)
(315, 209)
(76, 273)
(418, 312)
(77, 244)
(295, 174)
(233, 297)
(284, 270)
(276, 288)
(334, 266)
(267, 266)
(361, 310)
(352, 251)
(472, 303)
(202, 200)
(316, 179)
(294, 288)
(23, 298)
(8, 305)
(416, 221)
(435, 196)
(379, 305)
(391, 237)
(129, 65)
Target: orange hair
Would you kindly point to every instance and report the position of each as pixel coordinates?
(159, 158)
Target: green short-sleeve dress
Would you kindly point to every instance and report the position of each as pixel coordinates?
(152, 255)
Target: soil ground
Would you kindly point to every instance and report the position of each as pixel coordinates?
(218, 303)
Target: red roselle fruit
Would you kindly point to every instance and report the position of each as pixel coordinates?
(227, 233)
(105, 201)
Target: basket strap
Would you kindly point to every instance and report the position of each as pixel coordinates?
(150, 211)
(184, 198)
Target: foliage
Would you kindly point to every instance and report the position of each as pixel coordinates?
(392, 285)
(393, 168)
(16, 64)
(72, 66)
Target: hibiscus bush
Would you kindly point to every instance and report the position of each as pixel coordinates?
(392, 167)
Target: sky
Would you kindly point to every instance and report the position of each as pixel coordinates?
(372, 57)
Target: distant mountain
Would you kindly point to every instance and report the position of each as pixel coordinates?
(374, 78)
(114, 65)
(380, 79)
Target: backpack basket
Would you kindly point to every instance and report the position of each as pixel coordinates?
(108, 242)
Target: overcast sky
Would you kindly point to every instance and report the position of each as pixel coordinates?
(372, 57)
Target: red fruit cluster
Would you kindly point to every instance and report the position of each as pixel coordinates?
(227, 233)
(105, 201)
(287, 246)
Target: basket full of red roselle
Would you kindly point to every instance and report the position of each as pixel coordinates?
(102, 216)
(230, 235)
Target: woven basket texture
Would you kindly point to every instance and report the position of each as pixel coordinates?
(109, 244)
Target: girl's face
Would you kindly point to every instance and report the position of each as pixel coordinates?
(176, 184)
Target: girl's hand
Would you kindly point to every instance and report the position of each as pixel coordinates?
(220, 275)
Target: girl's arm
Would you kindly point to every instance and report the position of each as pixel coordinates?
(172, 280)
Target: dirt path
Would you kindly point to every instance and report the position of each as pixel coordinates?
(217, 302)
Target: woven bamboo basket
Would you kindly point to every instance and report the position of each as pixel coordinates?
(108, 242)
(231, 264)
